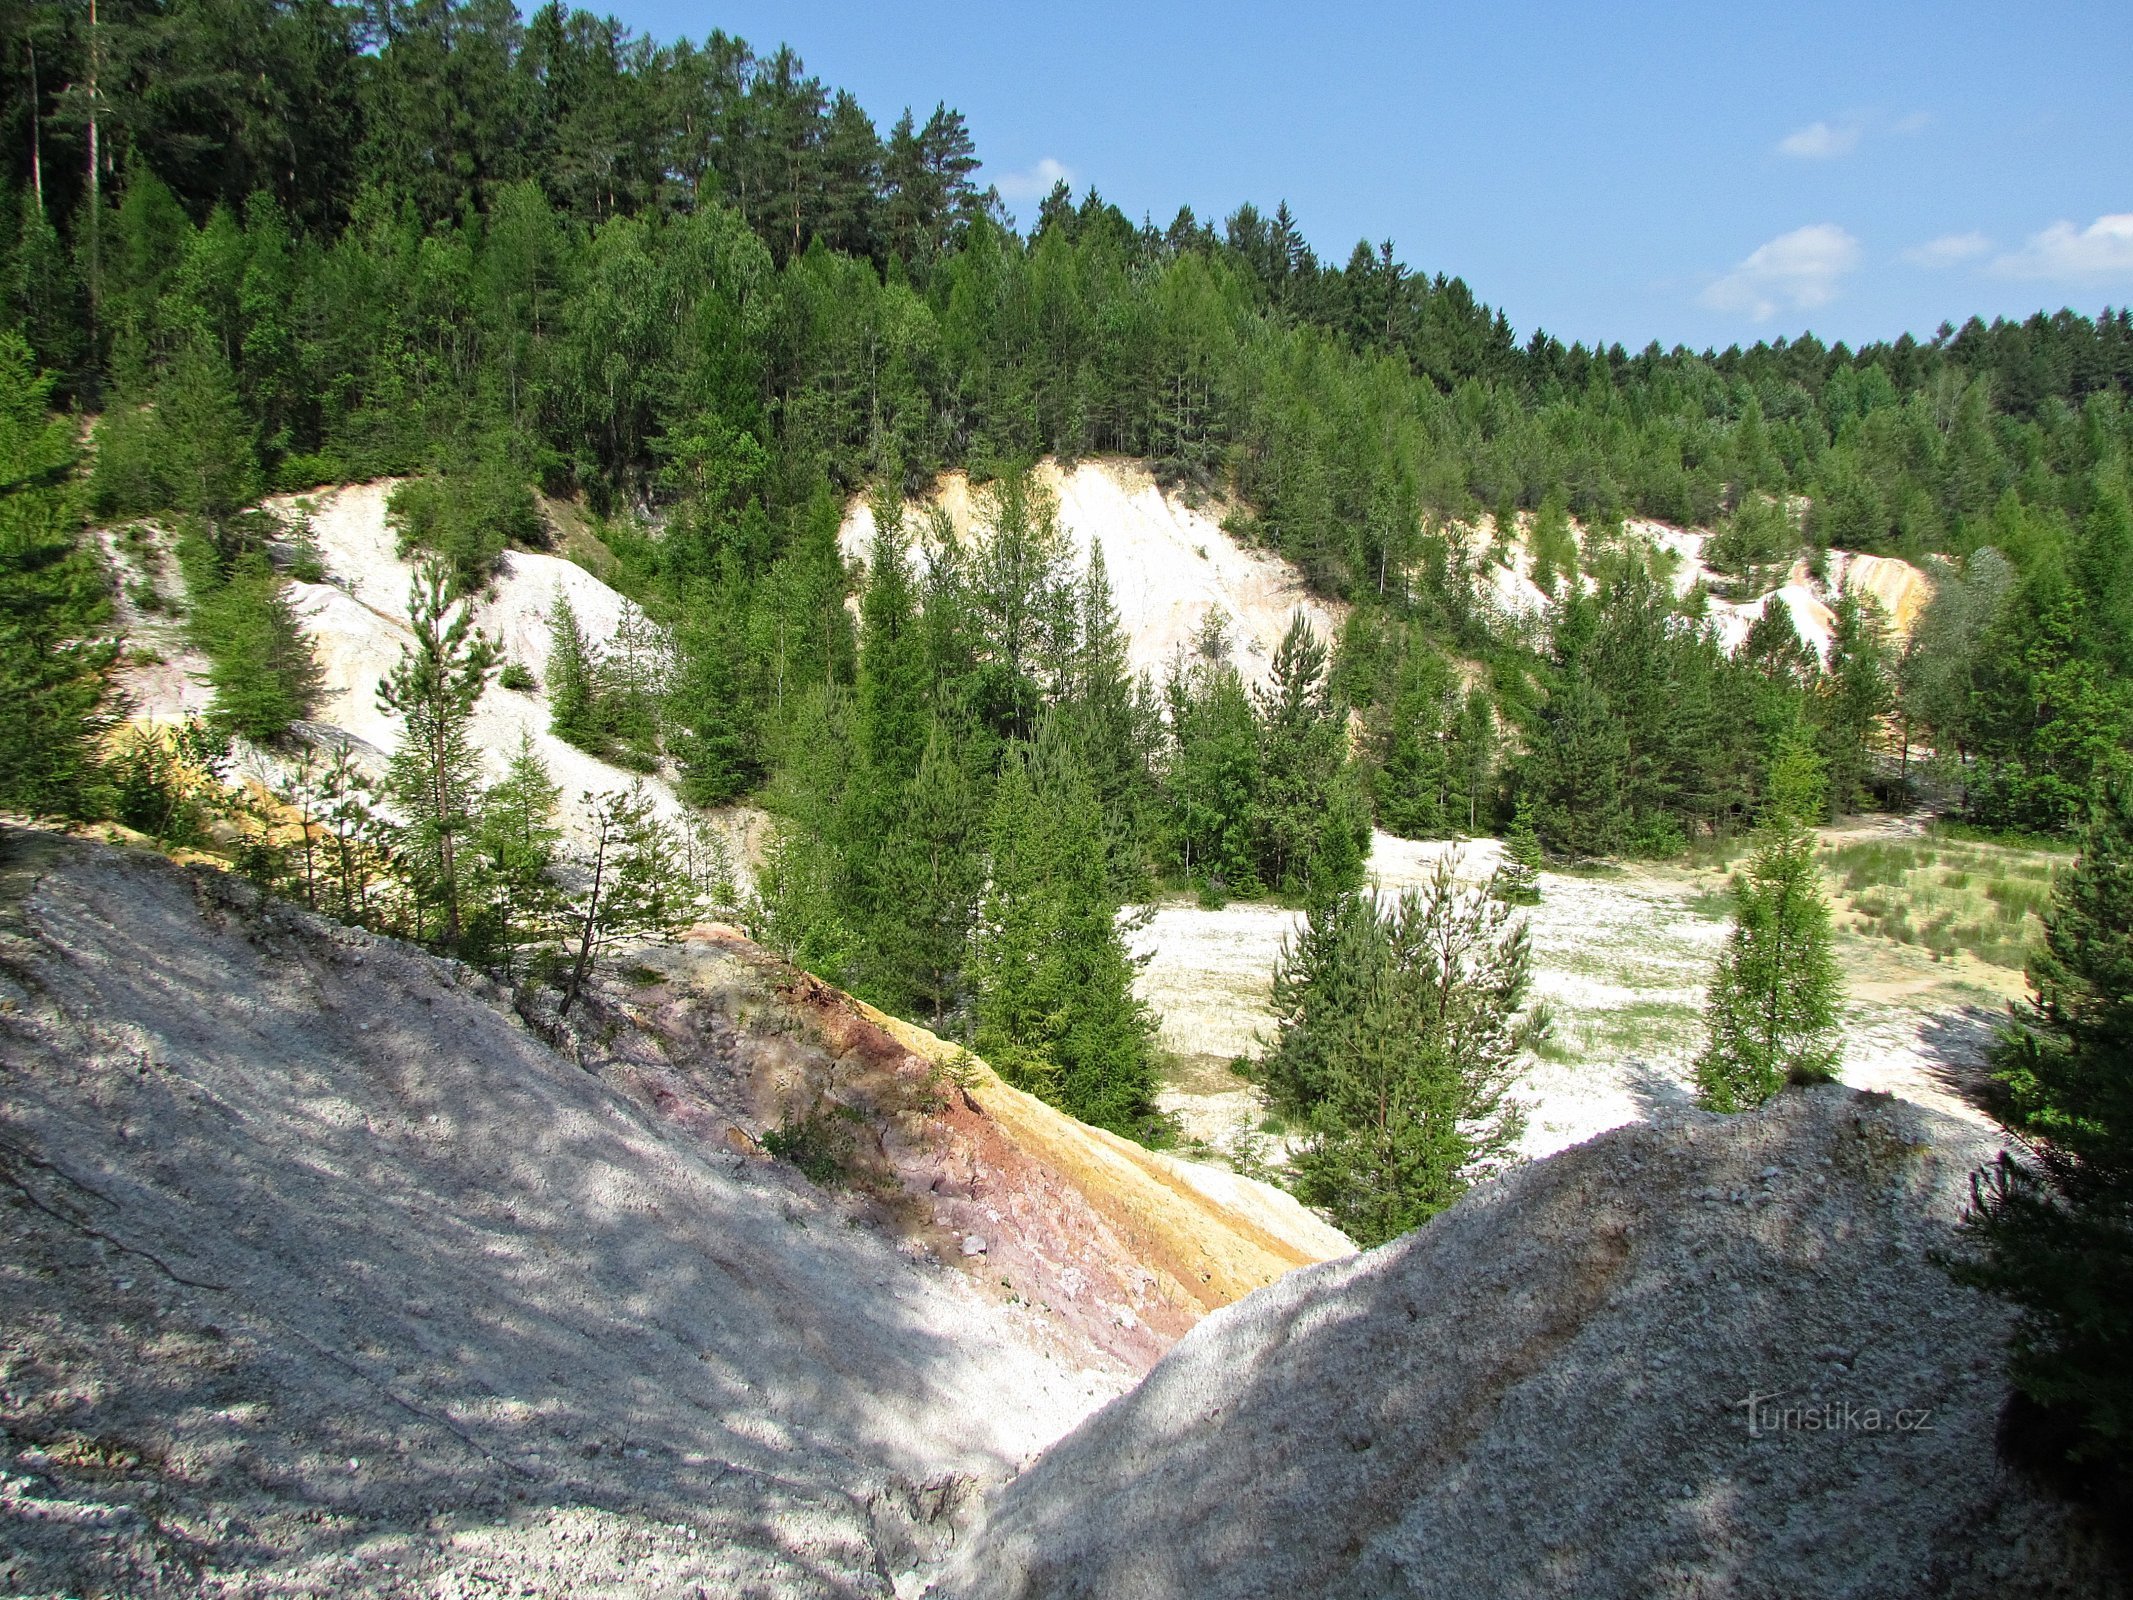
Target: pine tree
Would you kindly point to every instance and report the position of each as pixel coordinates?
(1023, 595)
(435, 777)
(710, 719)
(631, 685)
(2055, 1222)
(1397, 1044)
(1578, 770)
(1056, 1011)
(262, 667)
(807, 903)
(1554, 546)
(356, 839)
(631, 882)
(1114, 721)
(52, 714)
(1475, 741)
(1415, 781)
(934, 871)
(203, 444)
(574, 713)
(1214, 778)
(1856, 693)
(1517, 880)
(892, 666)
(1771, 1014)
(1301, 747)
(516, 843)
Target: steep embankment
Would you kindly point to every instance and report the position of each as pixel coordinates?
(1170, 562)
(1708, 1357)
(324, 1272)
(356, 620)
(1900, 588)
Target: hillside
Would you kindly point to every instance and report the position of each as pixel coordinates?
(1170, 560)
(1899, 588)
(356, 621)
(1172, 563)
(326, 1272)
(1547, 1391)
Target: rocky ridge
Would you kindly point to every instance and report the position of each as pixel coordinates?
(1700, 1357)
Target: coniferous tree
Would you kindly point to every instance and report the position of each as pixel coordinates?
(1517, 880)
(517, 844)
(1857, 692)
(631, 882)
(1771, 1013)
(892, 667)
(573, 704)
(1022, 596)
(807, 902)
(1553, 545)
(1475, 742)
(1113, 721)
(633, 678)
(52, 699)
(435, 776)
(933, 876)
(1305, 807)
(2054, 1222)
(264, 672)
(202, 444)
(1213, 776)
(1937, 673)
(1415, 783)
(1397, 1045)
(710, 716)
(1577, 771)
(1056, 1012)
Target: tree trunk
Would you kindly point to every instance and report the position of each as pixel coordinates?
(592, 915)
(96, 205)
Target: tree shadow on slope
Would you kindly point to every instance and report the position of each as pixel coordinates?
(1958, 1050)
(439, 1277)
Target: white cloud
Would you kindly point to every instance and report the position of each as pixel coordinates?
(2104, 249)
(1034, 184)
(1821, 141)
(1949, 250)
(1799, 270)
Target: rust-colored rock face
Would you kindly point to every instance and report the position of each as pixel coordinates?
(1114, 1251)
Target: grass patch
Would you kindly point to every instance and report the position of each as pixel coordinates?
(1713, 905)
(1642, 1025)
(2009, 839)
(1945, 894)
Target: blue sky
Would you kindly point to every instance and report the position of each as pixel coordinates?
(1699, 173)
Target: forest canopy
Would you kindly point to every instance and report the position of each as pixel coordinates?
(274, 245)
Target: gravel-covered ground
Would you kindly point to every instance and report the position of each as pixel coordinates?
(1620, 957)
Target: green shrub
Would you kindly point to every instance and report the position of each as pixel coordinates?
(819, 1144)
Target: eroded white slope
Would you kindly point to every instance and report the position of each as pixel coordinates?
(1901, 589)
(1170, 562)
(357, 621)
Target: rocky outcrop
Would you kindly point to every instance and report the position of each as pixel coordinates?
(1709, 1357)
(1109, 1251)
